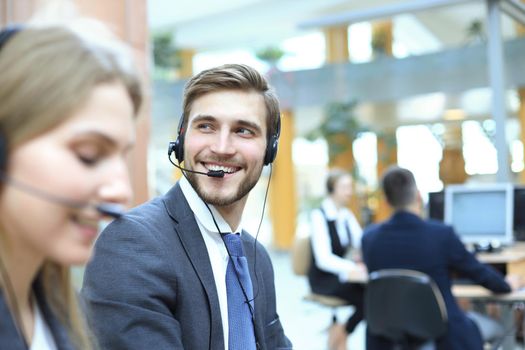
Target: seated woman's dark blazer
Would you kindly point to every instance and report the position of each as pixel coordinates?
(10, 337)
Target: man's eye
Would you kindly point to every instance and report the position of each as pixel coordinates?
(204, 126)
(244, 131)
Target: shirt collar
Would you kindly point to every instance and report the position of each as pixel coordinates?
(329, 208)
(201, 212)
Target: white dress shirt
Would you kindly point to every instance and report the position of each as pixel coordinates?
(42, 337)
(214, 244)
(321, 244)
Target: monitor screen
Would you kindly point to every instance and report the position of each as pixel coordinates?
(481, 213)
(436, 205)
(519, 213)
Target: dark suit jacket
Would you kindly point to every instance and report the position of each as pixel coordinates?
(406, 241)
(150, 283)
(12, 340)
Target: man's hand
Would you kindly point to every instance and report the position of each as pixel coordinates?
(515, 281)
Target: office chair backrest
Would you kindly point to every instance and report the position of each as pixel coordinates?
(301, 255)
(404, 306)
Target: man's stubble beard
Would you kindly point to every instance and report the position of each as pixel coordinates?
(244, 188)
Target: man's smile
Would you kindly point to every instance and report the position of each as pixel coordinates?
(219, 167)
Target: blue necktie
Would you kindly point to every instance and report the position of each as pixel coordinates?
(240, 329)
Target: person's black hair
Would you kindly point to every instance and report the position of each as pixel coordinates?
(399, 187)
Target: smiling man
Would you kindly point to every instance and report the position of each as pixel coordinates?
(179, 272)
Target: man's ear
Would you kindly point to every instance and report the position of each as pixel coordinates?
(419, 203)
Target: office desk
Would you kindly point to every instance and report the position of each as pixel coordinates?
(506, 301)
(480, 293)
(513, 259)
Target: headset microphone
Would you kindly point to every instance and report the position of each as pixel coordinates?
(210, 173)
(108, 209)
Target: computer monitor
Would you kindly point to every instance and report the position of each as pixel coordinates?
(519, 213)
(436, 205)
(481, 213)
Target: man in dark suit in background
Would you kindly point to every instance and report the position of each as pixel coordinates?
(162, 275)
(406, 241)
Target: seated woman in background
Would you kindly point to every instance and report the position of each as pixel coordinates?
(335, 231)
(67, 110)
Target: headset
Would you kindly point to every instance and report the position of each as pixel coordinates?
(272, 144)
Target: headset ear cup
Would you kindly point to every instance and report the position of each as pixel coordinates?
(3, 152)
(178, 148)
(273, 143)
(271, 150)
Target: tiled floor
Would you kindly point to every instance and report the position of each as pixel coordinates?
(305, 323)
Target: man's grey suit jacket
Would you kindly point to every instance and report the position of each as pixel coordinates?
(150, 283)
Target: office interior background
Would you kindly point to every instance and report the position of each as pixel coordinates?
(436, 86)
(362, 84)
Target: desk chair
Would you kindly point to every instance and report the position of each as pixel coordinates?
(405, 307)
(301, 260)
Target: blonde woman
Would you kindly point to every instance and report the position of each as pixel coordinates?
(67, 109)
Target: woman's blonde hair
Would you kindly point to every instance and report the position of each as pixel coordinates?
(47, 74)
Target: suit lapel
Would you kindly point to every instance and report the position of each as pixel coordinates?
(191, 238)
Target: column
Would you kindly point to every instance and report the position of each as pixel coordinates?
(521, 116)
(452, 165)
(283, 201)
(127, 18)
(382, 39)
(185, 71)
(336, 40)
(386, 156)
(521, 111)
(186, 63)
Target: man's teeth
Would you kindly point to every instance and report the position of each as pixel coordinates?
(220, 167)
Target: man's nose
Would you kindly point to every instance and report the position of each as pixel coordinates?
(223, 143)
